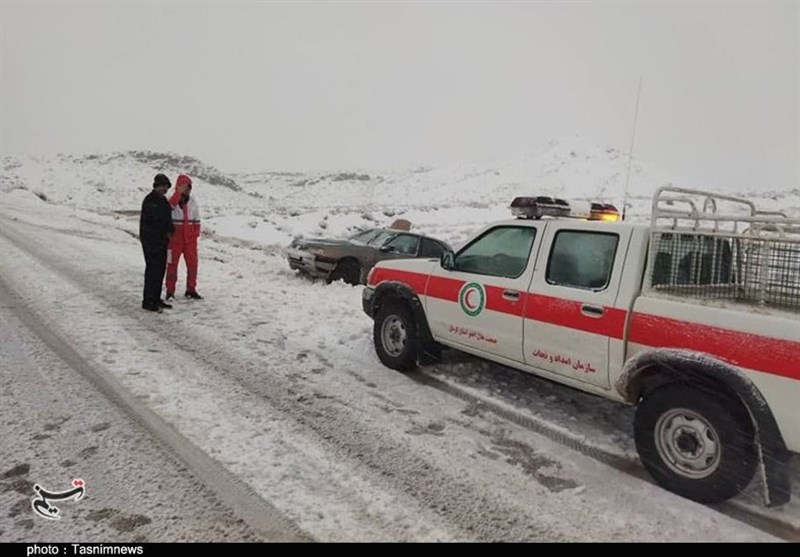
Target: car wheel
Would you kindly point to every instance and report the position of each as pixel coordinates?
(395, 336)
(348, 271)
(694, 444)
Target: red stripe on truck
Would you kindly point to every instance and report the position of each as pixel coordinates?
(770, 355)
(496, 302)
(444, 288)
(415, 280)
(449, 290)
(567, 313)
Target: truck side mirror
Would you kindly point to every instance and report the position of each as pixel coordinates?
(448, 260)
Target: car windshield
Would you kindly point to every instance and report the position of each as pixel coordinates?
(381, 238)
(364, 236)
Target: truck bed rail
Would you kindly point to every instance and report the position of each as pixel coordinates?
(720, 247)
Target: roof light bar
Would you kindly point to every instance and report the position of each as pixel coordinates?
(604, 211)
(538, 207)
(541, 206)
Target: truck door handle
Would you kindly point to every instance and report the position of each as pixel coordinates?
(511, 295)
(592, 311)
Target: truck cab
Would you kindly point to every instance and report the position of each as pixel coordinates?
(700, 306)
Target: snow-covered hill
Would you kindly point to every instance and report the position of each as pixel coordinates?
(272, 207)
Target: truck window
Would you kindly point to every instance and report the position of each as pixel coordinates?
(500, 252)
(582, 259)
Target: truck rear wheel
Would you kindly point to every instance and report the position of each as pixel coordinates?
(694, 444)
(395, 336)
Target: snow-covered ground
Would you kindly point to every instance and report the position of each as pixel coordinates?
(275, 376)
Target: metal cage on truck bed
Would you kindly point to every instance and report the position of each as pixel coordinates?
(718, 247)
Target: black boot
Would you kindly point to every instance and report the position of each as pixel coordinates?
(193, 295)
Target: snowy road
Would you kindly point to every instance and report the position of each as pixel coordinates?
(275, 379)
(57, 424)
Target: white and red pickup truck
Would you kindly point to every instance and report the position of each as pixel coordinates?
(695, 319)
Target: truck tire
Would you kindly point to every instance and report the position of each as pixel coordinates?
(395, 336)
(698, 445)
(348, 271)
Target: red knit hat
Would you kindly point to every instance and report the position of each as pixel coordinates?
(183, 180)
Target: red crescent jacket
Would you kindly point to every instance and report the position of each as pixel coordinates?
(186, 219)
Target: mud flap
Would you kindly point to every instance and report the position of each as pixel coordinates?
(775, 479)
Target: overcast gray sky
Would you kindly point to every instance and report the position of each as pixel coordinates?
(309, 86)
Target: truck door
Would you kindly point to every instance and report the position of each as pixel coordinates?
(478, 305)
(570, 315)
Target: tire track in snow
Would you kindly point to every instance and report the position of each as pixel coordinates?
(255, 511)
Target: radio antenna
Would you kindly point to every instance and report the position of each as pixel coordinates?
(630, 150)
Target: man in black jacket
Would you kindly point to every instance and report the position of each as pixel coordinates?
(155, 229)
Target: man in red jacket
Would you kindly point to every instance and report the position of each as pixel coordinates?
(186, 219)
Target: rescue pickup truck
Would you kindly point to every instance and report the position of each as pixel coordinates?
(694, 318)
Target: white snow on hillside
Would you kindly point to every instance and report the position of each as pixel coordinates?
(270, 208)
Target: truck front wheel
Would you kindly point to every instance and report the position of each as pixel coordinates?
(395, 336)
(694, 444)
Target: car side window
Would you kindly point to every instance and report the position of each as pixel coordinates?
(430, 248)
(582, 259)
(500, 252)
(404, 243)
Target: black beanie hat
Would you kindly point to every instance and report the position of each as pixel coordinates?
(161, 180)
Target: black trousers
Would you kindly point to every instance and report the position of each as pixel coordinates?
(155, 264)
